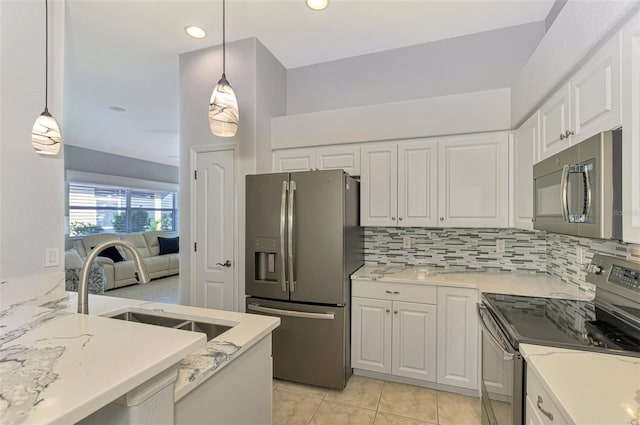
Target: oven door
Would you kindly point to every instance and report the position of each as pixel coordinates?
(502, 384)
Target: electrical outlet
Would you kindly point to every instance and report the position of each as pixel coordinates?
(406, 241)
(579, 255)
(51, 257)
(499, 246)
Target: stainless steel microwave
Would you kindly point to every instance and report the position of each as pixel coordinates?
(579, 190)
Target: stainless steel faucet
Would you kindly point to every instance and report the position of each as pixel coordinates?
(83, 289)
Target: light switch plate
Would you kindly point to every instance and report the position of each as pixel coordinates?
(500, 246)
(406, 242)
(51, 257)
(579, 255)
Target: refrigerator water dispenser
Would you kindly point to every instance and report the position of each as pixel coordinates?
(266, 257)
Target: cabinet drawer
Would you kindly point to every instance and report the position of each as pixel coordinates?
(540, 403)
(418, 293)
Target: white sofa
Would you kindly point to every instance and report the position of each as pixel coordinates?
(122, 273)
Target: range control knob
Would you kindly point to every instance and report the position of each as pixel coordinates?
(597, 269)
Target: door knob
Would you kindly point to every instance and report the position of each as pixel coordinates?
(225, 264)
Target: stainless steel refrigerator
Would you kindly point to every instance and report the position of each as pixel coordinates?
(303, 241)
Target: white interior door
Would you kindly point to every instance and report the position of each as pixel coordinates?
(214, 231)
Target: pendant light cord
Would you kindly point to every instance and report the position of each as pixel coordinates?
(46, 54)
(224, 52)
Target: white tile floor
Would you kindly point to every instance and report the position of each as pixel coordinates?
(371, 402)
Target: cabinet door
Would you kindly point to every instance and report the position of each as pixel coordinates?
(379, 185)
(289, 160)
(631, 131)
(418, 183)
(525, 140)
(345, 158)
(473, 181)
(595, 102)
(413, 351)
(371, 334)
(457, 337)
(554, 122)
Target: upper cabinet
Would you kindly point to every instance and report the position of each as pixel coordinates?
(454, 181)
(345, 158)
(588, 104)
(525, 141)
(473, 181)
(631, 132)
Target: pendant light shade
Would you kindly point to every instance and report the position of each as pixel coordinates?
(223, 110)
(223, 106)
(45, 134)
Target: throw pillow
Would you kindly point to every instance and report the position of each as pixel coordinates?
(169, 245)
(111, 252)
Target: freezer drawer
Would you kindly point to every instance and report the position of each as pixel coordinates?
(311, 345)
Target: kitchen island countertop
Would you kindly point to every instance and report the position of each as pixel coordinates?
(515, 283)
(590, 388)
(58, 366)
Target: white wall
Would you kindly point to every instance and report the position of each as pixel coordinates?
(31, 186)
(577, 30)
(482, 61)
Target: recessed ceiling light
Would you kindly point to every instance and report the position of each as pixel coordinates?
(317, 4)
(118, 109)
(195, 32)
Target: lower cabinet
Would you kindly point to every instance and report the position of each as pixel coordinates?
(541, 408)
(458, 337)
(394, 337)
(423, 332)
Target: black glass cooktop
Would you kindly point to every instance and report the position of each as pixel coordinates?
(563, 323)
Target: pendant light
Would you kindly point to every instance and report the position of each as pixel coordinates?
(223, 106)
(45, 135)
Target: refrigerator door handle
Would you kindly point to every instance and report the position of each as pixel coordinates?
(291, 313)
(292, 279)
(283, 206)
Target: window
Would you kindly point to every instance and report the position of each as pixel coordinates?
(98, 209)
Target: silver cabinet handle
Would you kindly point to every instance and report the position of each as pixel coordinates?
(392, 292)
(544, 412)
(568, 133)
(400, 218)
(395, 311)
(292, 279)
(225, 264)
(441, 218)
(393, 218)
(562, 136)
(283, 220)
(387, 310)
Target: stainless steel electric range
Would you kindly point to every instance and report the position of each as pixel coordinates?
(609, 324)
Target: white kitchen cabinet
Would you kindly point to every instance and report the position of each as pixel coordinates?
(417, 183)
(457, 337)
(290, 160)
(413, 352)
(379, 184)
(345, 158)
(391, 335)
(473, 177)
(371, 334)
(555, 115)
(631, 131)
(541, 407)
(595, 89)
(525, 141)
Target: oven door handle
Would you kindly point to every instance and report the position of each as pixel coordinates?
(507, 354)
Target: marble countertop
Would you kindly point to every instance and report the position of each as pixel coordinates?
(591, 388)
(515, 283)
(58, 366)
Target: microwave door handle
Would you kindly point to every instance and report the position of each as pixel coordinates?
(292, 279)
(283, 206)
(587, 185)
(564, 183)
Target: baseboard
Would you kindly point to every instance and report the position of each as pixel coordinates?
(417, 382)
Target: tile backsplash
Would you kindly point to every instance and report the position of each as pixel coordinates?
(475, 249)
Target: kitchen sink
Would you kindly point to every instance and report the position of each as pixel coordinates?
(211, 330)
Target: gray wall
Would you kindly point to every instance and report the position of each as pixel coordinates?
(81, 159)
(258, 80)
(481, 61)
